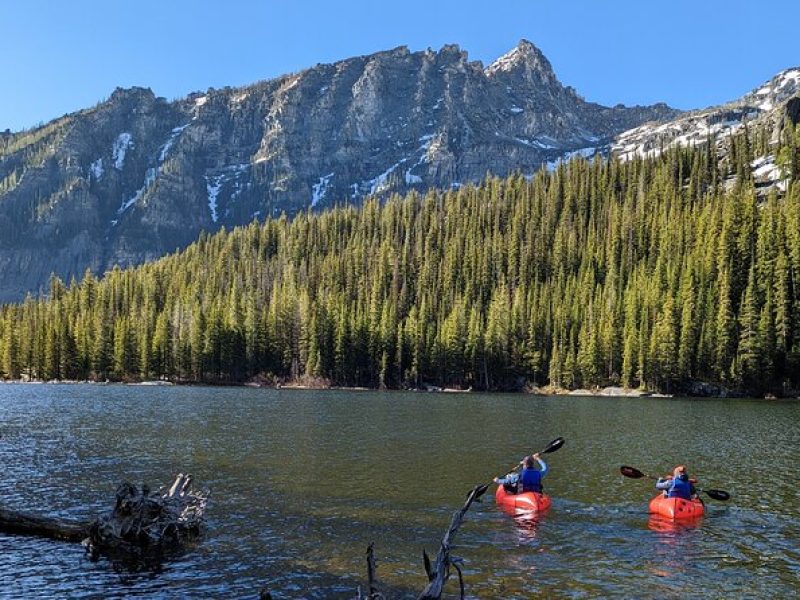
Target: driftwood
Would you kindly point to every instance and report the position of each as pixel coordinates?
(439, 572)
(20, 523)
(149, 523)
(373, 593)
(141, 523)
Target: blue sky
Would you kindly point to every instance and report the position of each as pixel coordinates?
(57, 57)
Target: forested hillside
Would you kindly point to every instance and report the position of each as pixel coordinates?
(652, 272)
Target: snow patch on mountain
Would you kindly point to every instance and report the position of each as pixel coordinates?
(213, 186)
(149, 178)
(587, 153)
(319, 189)
(535, 143)
(380, 183)
(229, 175)
(170, 140)
(411, 178)
(766, 173)
(96, 169)
(120, 148)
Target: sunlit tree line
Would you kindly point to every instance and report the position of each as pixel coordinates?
(650, 273)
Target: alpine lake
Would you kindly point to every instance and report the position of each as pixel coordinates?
(303, 481)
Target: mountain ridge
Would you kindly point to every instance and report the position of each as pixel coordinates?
(138, 176)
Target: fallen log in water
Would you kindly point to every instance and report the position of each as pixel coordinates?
(20, 523)
(141, 522)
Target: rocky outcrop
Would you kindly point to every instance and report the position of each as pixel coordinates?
(137, 176)
(768, 106)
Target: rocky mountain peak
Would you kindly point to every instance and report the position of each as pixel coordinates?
(524, 58)
(453, 51)
(135, 94)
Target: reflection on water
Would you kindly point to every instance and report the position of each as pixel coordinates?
(672, 527)
(302, 482)
(526, 524)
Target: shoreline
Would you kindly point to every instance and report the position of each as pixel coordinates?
(544, 391)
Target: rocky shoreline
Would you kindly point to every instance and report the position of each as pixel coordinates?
(700, 390)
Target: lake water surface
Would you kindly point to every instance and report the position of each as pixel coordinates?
(302, 481)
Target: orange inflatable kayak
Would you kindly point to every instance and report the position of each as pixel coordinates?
(526, 501)
(676, 508)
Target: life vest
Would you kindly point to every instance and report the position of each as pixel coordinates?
(531, 480)
(681, 488)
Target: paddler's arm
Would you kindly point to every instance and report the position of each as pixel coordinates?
(511, 479)
(664, 483)
(542, 464)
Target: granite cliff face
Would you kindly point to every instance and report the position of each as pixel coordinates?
(767, 107)
(137, 176)
(769, 104)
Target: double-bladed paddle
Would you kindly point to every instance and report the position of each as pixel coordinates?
(633, 473)
(551, 447)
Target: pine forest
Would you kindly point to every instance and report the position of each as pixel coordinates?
(652, 273)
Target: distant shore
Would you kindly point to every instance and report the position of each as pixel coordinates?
(711, 391)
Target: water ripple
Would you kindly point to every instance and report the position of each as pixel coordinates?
(303, 481)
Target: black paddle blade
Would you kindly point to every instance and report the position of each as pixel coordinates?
(553, 446)
(631, 472)
(720, 495)
(480, 491)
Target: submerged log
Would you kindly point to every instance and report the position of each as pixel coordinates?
(141, 523)
(20, 523)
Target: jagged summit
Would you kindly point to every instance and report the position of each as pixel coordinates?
(524, 56)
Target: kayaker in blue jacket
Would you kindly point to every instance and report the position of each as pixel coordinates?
(677, 486)
(530, 477)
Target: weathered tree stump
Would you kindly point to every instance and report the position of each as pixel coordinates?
(141, 523)
(145, 522)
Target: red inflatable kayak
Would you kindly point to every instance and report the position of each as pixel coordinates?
(527, 501)
(676, 508)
